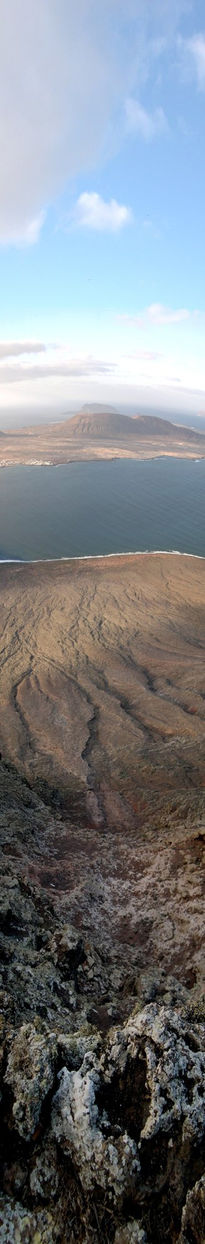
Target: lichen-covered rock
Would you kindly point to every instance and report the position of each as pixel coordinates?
(73, 1048)
(133, 1233)
(147, 1087)
(106, 1159)
(119, 1145)
(66, 949)
(44, 1177)
(19, 1226)
(175, 1070)
(193, 1215)
(29, 1074)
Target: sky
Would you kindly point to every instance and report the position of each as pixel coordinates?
(102, 221)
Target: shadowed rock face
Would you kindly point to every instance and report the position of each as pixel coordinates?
(101, 912)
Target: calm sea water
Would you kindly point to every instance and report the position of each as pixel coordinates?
(102, 507)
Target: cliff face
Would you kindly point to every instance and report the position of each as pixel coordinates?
(101, 909)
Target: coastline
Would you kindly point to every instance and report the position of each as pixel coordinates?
(115, 457)
(95, 557)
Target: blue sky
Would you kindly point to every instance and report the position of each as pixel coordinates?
(102, 108)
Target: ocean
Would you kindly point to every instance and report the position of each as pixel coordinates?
(86, 509)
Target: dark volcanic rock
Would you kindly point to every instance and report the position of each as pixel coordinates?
(103, 1136)
(110, 1144)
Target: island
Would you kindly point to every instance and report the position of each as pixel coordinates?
(99, 433)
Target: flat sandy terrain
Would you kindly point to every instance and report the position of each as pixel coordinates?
(103, 712)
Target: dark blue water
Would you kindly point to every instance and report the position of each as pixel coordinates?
(102, 507)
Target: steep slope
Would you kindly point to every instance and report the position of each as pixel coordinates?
(153, 425)
(99, 424)
(102, 827)
(103, 425)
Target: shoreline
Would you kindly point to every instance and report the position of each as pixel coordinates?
(153, 457)
(86, 557)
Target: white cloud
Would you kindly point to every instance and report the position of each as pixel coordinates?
(148, 125)
(62, 374)
(150, 356)
(92, 212)
(158, 314)
(32, 230)
(65, 69)
(13, 349)
(193, 53)
(22, 234)
(13, 373)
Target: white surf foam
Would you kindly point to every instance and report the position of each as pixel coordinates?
(94, 557)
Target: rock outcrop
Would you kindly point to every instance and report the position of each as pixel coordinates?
(105, 1137)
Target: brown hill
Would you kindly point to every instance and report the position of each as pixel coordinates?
(103, 425)
(99, 424)
(152, 425)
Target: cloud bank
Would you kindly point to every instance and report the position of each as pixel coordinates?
(56, 91)
(65, 71)
(13, 349)
(71, 367)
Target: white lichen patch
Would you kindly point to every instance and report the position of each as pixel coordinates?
(103, 1160)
